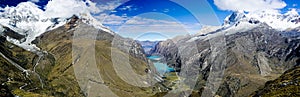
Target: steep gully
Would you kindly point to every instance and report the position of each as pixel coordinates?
(10, 33)
(27, 71)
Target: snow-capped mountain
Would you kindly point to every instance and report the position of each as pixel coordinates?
(29, 20)
(89, 19)
(240, 21)
(274, 19)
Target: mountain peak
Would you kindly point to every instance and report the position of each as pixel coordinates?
(90, 20)
(292, 12)
(272, 18)
(234, 17)
(29, 20)
(25, 11)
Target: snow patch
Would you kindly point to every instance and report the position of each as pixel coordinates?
(90, 20)
(273, 18)
(29, 20)
(205, 30)
(241, 27)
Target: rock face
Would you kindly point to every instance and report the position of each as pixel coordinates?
(7, 32)
(56, 67)
(169, 50)
(13, 80)
(148, 45)
(286, 85)
(249, 58)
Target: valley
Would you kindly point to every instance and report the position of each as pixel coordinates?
(161, 67)
(252, 54)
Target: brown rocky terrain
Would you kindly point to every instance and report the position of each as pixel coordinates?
(54, 73)
(249, 58)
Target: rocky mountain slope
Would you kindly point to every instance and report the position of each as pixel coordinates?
(148, 45)
(236, 59)
(29, 20)
(55, 56)
(286, 85)
(54, 73)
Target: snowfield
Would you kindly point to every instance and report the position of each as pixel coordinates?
(28, 19)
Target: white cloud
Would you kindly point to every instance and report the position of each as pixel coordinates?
(119, 20)
(294, 5)
(126, 7)
(61, 8)
(151, 22)
(109, 5)
(292, 11)
(92, 7)
(67, 8)
(111, 19)
(249, 5)
(34, 1)
(133, 27)
(166, 10)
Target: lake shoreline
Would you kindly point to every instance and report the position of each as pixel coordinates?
(160, 66)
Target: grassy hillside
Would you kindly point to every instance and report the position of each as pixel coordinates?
(56, 68)
(287, 85)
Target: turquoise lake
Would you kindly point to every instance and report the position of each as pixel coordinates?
(162, 68)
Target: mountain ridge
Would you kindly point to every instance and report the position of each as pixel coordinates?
(29, 20)
(254, 51)
(276, 20)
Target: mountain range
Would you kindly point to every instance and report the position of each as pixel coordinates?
(237, 58)
(251, 54)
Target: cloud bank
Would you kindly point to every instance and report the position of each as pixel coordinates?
(67, 8)
(249, 5)
(34, 1)
(134, 26)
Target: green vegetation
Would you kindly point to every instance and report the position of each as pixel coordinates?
(56, 69)
(287, 85)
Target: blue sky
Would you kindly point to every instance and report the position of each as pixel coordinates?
(191, 17)
(156, 4)
(169, 18)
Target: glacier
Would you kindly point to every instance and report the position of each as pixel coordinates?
(275, 19)
(28, 19)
